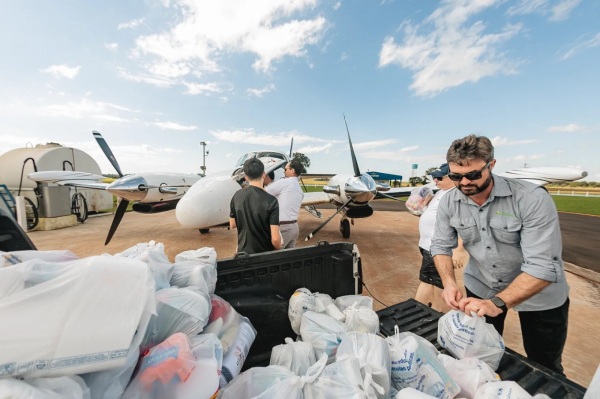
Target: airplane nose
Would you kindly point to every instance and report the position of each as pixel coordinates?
(362, 189)
(132, 188)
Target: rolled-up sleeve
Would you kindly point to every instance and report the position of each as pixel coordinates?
(541, 242)
(444, 236)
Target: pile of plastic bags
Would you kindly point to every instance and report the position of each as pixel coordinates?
(132, 325)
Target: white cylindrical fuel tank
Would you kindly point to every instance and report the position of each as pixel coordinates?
(16, 164)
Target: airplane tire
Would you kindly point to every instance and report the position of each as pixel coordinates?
(203, 231)
(345, 228)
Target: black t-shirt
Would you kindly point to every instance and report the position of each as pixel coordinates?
(254, 211)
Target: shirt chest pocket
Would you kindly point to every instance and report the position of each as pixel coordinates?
(466, 229)
(507, 231)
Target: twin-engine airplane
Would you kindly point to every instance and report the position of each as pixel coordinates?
(203, 203)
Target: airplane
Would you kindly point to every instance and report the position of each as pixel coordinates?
(203, 203)
(149, 192)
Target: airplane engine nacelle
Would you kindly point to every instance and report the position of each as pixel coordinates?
(154, 207)
(357, 212)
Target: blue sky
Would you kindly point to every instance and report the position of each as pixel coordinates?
(158, 77)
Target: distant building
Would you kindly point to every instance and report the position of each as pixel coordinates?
(391, 179)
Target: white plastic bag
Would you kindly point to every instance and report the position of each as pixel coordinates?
(14, 257)
(373, 354)
(204, 256)
(411, 393)
(361, 319)
(183, 310)
(188, 273)
(153, 255)
(302, 301)
(502, 390)
(469, 373)
(92, 312)
(326, 302)
(467, 336)
(111, 383)
(296, 356)
(415, 364)
(593, 390)
(418, 200)
(345, 301)
(323, 332)
(68, 387)
(341, 379)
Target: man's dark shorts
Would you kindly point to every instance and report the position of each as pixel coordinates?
(429, 273)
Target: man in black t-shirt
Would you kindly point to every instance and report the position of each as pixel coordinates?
(255, 213)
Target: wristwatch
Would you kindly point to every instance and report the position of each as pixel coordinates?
(499, 303)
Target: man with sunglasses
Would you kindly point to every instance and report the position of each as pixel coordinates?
(511, 231)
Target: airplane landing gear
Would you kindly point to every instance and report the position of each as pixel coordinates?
(345, 228)
(203, 231)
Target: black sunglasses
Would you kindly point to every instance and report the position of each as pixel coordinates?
(438, 178)
(475, 175)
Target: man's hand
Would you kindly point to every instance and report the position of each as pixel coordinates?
(482, 307)
(452, 295)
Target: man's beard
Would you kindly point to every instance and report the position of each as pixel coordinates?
(473, 189)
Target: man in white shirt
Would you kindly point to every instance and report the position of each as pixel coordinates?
(430, 289)
(290, 196)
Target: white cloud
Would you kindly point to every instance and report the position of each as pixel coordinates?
(174, 126)
(202, 88)
(134, 23)
(261, 92)
(453, 52)
(62, 71)
(557, 12)
(111, 46)
(86, 108)
(569, 128)
(582, 46)
(249, 136)
(505, 141)
(208, 31)
(144, 78)
(367, 145)
(312, 149)
(562, 10)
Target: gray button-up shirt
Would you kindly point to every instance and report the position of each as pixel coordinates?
(516, 230)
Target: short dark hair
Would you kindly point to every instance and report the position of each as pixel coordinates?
(467, 149)
(297, 166)
(253, 168)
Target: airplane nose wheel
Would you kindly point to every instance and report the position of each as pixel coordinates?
(345, 228)
(203, 231)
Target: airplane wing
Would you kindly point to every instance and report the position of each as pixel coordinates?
(315, 198)
(70, 178)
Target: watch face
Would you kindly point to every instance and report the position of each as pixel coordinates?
(498, 302)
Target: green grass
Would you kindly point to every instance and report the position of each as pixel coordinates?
(585, 205)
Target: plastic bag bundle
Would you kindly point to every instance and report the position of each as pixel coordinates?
(411, 393)
(345, 301)
(325, 302)
(111, 383)
(92, 311)
(341, 379)
(415, 364)
(502, 390)
(466, 336)
(373, 354)
(184, 310)
(236, 334)
(469, 373)
(418, 200)
(296, 356)
(201, 256)
(172, 370)
(68, 387)
(12, 258)
(361, 319)
(188, 273)
(302, 301)
(153, 255)
(323, 332)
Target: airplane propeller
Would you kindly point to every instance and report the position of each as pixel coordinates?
(354, 161)
(124, 202)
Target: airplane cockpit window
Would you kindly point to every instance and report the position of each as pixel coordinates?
(261, 154)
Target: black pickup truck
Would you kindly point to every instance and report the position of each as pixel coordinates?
(259, 287)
